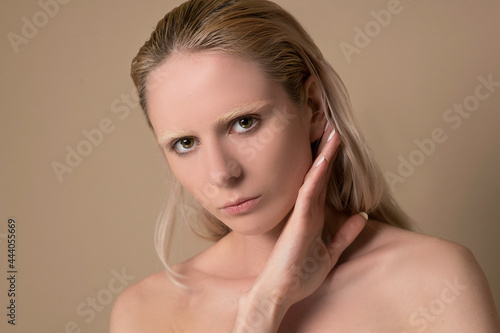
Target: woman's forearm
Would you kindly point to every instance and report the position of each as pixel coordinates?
(258, 312)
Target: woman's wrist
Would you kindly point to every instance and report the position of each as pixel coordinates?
(259, 311)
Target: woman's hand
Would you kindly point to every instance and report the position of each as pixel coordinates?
(300, 260)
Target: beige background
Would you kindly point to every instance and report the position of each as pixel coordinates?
(73, 73)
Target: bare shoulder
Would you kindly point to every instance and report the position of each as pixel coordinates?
(138, 307)
(427, 257)
(436, 285)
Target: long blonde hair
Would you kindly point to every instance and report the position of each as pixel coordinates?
(262, 32)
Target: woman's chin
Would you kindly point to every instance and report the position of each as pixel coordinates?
(256, 224)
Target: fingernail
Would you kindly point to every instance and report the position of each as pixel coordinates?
(365, 216)
(323, 158)
(326, 127)
(331, 135)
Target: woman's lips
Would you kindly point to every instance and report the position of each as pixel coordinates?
(242, 207)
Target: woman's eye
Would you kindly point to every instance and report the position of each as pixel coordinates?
(183, 145)
(244, 124)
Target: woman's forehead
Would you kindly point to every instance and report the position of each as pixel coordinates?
(195, 66)
(190, 84)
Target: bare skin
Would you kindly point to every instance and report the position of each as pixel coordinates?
(385, 279)
(275, 272)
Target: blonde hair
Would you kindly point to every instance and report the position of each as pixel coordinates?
(262, 32)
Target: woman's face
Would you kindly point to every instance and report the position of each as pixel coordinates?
(232, 137)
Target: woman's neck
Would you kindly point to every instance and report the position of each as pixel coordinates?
(250, 253)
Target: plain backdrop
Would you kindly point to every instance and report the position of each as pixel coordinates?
(83, 236)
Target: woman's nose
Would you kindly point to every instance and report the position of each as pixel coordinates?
(222, 168)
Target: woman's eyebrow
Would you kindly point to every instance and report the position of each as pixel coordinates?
(168, 136)
(221, 121)
(240, 111)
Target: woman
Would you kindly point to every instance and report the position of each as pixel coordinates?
(266, 160)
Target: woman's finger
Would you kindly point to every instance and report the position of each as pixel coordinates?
(313, 190)
(314, 180)
(330, 151)
(346, 234)
(323, 140)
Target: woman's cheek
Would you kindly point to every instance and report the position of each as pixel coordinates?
(293, 159)
(188, 177)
